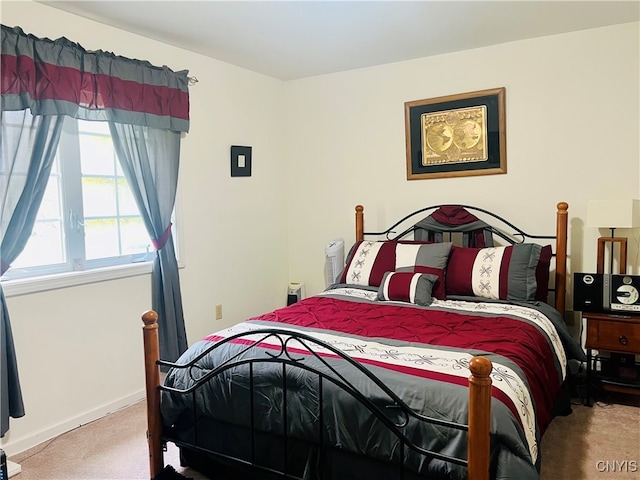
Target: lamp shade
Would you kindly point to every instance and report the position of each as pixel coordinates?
(613, 213)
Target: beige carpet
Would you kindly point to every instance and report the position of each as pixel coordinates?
(113, 447)
(587, 444)
(576, 447)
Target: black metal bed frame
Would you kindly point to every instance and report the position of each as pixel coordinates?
(518, 231)
(283, 356)
(390, 234)
(395, 416)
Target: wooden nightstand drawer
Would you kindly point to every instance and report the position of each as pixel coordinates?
(619, 337)
(611, 333)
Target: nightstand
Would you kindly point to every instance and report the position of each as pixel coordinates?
(619, 336)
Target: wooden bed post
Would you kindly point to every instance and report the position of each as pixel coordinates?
(359, 223)
(561, 256)
(478, 453)
(152, 377)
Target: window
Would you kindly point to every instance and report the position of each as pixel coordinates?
(88, 218)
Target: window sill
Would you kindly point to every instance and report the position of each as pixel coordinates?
(24, 286)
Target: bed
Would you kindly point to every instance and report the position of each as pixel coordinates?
(434, 355)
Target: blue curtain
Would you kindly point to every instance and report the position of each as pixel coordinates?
(28, 146)
(149, 158)
(51, 79)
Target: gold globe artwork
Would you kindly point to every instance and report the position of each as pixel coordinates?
(454, 136)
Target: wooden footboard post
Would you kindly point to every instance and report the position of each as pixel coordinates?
(478, 453)
(561, 256)
(152, 377)
(359, 223)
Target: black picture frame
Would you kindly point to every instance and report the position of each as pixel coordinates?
(240, 161)
(456, 135)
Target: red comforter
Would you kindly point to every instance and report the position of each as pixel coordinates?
(522, 342)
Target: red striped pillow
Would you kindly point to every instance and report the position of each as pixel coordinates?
(407, 287)
(505, 273)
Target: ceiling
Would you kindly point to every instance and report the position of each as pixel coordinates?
(296, 39)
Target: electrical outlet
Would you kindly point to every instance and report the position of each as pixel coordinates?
(218, 312)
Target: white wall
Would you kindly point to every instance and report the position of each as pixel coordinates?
(80, 349)
(321, 145)
(573, 134)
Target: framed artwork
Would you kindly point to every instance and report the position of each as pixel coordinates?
(240, 161)
(456, 135)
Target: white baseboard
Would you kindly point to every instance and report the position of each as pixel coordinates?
(19, 445)
(13, 468)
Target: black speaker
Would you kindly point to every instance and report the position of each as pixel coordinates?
(588, 289)
(625, 293)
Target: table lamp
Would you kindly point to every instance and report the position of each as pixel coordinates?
(613, 214)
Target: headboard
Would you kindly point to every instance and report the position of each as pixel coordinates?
(494, 225)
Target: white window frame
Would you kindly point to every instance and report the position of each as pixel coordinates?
(51, 277)
(28, 285)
